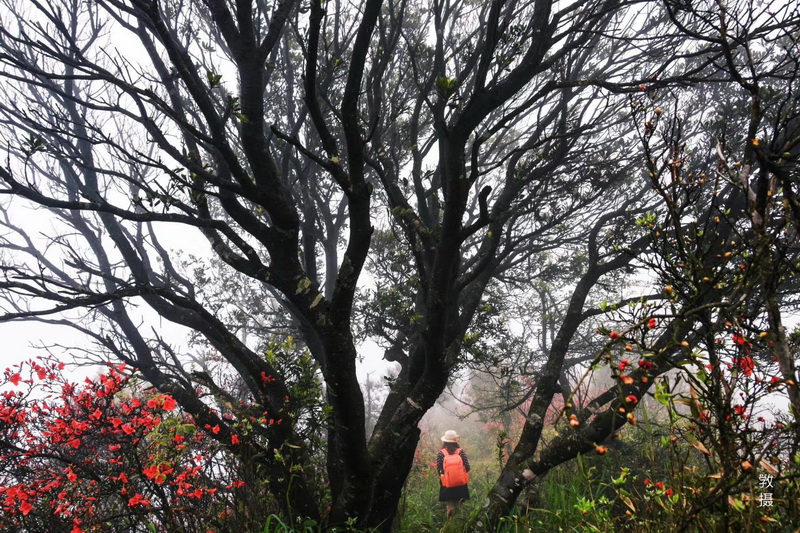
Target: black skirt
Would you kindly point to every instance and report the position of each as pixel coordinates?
(452, 494)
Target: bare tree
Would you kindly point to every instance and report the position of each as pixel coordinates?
(696, 225)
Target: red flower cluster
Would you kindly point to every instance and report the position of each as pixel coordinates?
(100, 453)
(739, 340)
(746, 365)
(659, 485)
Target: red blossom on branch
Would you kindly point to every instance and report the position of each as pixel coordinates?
(100, 447)
(746, 365)
(739, 340)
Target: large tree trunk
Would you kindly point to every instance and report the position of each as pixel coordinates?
(390, 483)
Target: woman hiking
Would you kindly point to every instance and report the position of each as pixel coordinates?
(453, 465)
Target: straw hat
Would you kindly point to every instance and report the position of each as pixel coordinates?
(451, 436)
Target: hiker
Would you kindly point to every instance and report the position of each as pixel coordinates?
(452, 464)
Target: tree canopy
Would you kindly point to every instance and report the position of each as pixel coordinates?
(396, 170)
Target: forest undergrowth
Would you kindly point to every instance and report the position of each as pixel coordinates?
(645, 480)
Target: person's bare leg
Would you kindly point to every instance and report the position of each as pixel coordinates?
(451, 508)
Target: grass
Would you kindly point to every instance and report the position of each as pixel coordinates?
(596, 494)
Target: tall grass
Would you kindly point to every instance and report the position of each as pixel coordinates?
(419, 507)
(646, 482)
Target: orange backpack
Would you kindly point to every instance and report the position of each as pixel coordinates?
(455, 475)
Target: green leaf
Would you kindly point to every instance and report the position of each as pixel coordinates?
(303, 286)
(446, 86)
(213, 79)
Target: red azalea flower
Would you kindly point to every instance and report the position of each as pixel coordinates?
(138, 499)
(746, 365)
(169, 403)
